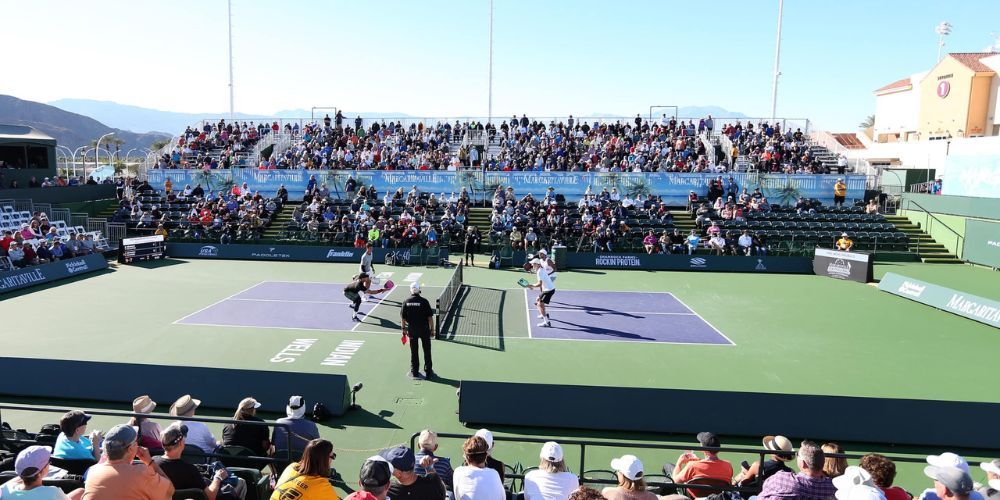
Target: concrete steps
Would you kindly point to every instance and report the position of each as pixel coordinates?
(921, 243)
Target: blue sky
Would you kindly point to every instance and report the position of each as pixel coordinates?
(429, 58)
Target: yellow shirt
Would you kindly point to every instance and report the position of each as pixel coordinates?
(844, 244)
(293, 486)
(840, 189)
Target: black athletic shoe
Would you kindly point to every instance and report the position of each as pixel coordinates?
(415, 375)
(430, 374)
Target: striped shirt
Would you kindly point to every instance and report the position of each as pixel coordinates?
(801, 486)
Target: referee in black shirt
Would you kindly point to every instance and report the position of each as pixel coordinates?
(418, 323)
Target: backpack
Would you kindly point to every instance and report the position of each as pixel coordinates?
(495, 261)
(321, 413)
(390, 258)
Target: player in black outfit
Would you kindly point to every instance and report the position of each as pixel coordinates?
(418, 323)
(361, 284)
(472, 241)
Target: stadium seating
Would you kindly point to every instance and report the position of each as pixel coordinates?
(33, 229)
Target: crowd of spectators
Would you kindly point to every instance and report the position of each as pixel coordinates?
(228, 215)
(138, 459)
(39, 241)
(55, 181)
(665, 144)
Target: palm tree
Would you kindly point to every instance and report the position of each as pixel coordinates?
(868, 123)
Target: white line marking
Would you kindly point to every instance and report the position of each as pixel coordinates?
(219, 301)
(413, 277)
(527, 312)
(681, 302)
(601, 311)
(292, 301)
(370, 311)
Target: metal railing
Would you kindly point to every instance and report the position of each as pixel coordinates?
(629, 447)
(152, 416)
(959, 239)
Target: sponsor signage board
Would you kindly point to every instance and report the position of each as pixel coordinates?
(854, 266)
(974, 307)
(661, 262)
(53, 271)
(982, 242)
(306, 253)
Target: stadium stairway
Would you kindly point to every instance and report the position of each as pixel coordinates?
(480, 217)
(277, 228)
(683, 220)
(921, 243)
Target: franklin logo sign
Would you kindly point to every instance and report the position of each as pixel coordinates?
(332, 254)
(617, 261)
(699, 263)
(911, 289)
(208, 251)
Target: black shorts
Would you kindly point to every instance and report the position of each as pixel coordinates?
(838, 199)
(545, 297)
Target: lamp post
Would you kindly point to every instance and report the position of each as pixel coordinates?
(64, 156)
(97, 149)
(777, 62)
(943, 30)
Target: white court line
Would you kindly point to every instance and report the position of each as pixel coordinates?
(292, 301)
(527, 312)
(219, 302)
(599, 312)
(370, 311)
(681, 302)
(333, 283)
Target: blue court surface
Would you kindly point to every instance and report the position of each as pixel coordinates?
(621, 316)
(284, 304)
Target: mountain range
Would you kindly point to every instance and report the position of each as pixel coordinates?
(69, 129)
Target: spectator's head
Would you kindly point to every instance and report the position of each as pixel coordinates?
(811, 458)
(476, 450)
(585, 493)
(403, 461)
(184, 406)
(552, 459)
(120, 443)
(247, 408)
(32, 464)
(74, 423)
(833, 466)
(143, 404)
(882, 470)
(711, 441)
(375, 475)
(948, 459)
(779, 444)
(949, 482)
(630, 473)
(296, 407)
(316, 458)
(428, 440)
(992, 470)
(852, 478)
(173, 438)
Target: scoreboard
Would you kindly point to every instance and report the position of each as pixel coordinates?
(142, 248)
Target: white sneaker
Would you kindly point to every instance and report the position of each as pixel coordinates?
(364, 298)
(545, 324)
(540, 316)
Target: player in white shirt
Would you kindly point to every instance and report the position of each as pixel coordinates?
(366, 267)
(547, 288)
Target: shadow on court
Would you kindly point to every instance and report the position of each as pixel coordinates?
(477, 318)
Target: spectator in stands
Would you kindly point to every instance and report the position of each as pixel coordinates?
(809, 483)
(373, 479)
(649, 242)
(408, 484)
(845, 243)
(149, 431)
(31, 467)
(302, 430)
(586, 493)
(72, 444)
(833, 466)
(250, 436)
(491, 461)
(43, 254)
(689, 466)
(184, 475)
(16, 255)
(550, 481)
(883, 472)
(872, 206)
(308, 479)
(198, 434)
(949, 482)
(717, 243)
(631, 485)
(990, 490)
(692, 241)
(839, 192)
(119, 477)
(856, 484)
(477, 481)
(760, 471)
(428, 443)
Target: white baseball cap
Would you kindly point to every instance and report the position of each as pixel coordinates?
(629, 465)
(852, 476)
(551, 451)
(487, 436)
(992, 467)
(414, 287)
(949, 459)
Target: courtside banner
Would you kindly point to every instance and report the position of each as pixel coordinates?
(982, 242)
(971, 306)
(663, 262)
(854, 266)
(284, 252)
(53, 271)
